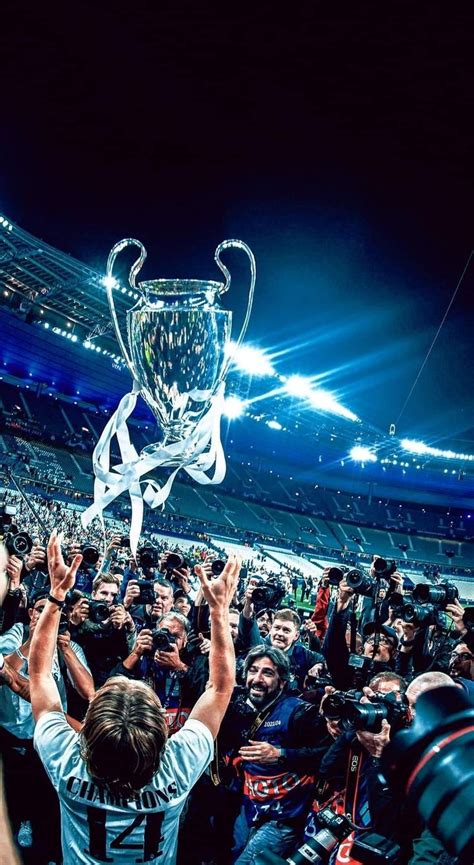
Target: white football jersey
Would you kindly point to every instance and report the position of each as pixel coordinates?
(99, 827)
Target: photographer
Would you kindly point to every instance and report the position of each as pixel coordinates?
(274, 741)
(29, 793)
(284, 635)
(379, 650)
(351, 765)
(107, 634)
(157, 659)
(426, 640)
(147, 600)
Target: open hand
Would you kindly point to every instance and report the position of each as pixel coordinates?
(220, 591)
(62, 576)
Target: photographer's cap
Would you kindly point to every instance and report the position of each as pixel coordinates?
(372, 628)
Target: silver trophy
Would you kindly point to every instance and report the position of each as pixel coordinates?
(178, 354)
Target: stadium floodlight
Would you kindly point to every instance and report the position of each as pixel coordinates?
(274, 424)
(325, 401)
(361, 454)
(233, 407)
(298, 385)
(416, 447)
(109, 282)
(250, 360)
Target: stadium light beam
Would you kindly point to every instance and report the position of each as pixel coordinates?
(109, 282)
(298, 385)
(361, 454)
(233, 407)
(416, 447)
(251, 360)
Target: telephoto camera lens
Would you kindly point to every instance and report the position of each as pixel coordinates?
(334, 829)
(163, 640)
(99, 611)
(217, 567)
(335, 576)
(439, 596)
(90, 555)
(359, 582)
(148, 557)
(383, 568)
(418, 614)
(174, 562)
(433, 763)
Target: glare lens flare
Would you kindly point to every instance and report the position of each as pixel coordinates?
(362, 454)
(233, 407)
(250, 360)
(415, 447)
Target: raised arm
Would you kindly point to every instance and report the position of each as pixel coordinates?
(13, 679)
(211, 706)
(43, 689)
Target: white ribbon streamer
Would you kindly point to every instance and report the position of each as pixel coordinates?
(189, 454)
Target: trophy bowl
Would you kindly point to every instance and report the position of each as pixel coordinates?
(177, 335)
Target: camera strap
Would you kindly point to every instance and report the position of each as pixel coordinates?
(353, 626)
(216, 762)
(352, 781)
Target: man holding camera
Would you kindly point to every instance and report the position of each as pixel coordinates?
(156, 658)
(284, 635)
(379, 650)
(275, 741)
(103, 628)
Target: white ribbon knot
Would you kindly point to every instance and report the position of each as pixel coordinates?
(189, 454)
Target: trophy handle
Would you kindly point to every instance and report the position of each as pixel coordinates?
(109, 282)
(238, 244)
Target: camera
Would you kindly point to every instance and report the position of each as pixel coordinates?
(163, 640)
(369, 716)
(439, 596)
(147, 592)
(335, 575)
(174, 562)
(432, 763)
(125, 542)
(148, 557)
(419, 614)
(353, 715)
(382, 568)
(90, 555)
(334, 704)
(217, 566)
(334, 828)
(63, 623)
(17, 543)
(270, 594)
(99, 611)
(359, 582)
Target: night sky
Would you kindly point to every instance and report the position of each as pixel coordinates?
(334, 138)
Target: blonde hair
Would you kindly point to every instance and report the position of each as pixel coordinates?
(123, 736)
(287, 615)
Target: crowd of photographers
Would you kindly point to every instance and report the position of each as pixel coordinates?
(296, 773)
